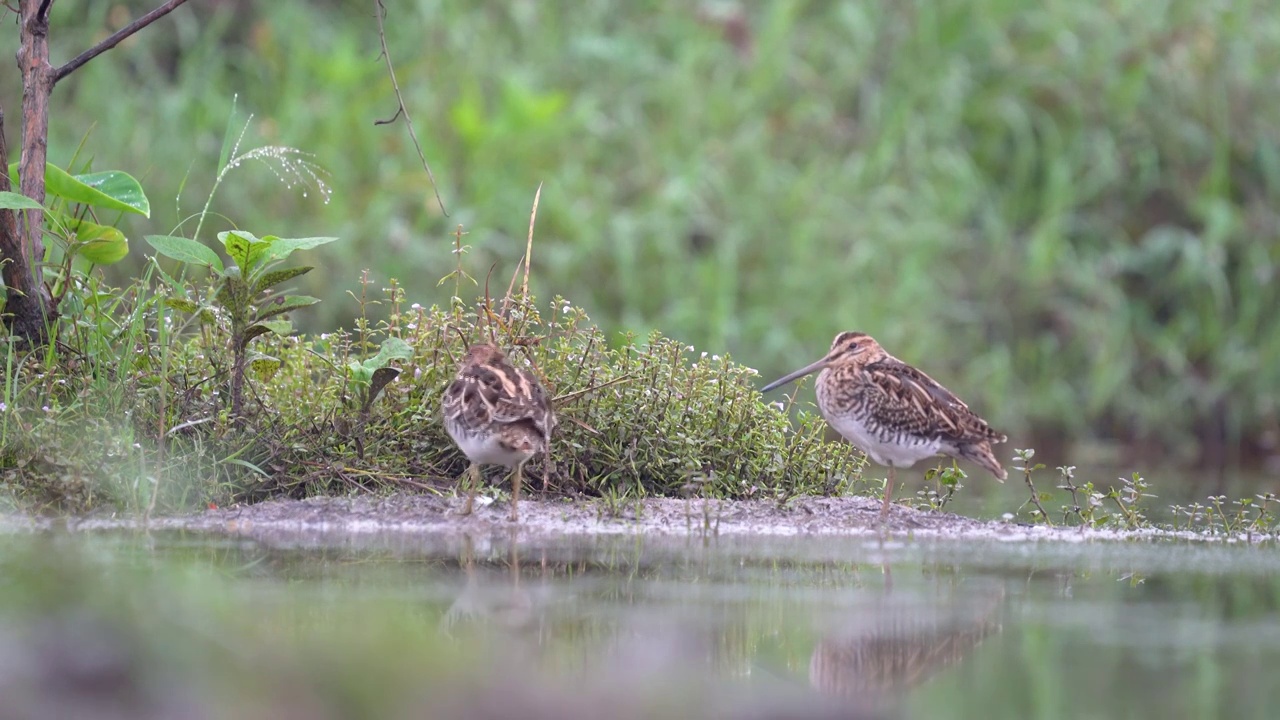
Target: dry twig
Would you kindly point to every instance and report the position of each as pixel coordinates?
(401, 110)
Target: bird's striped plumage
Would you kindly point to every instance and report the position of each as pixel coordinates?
(497, 414)
(894, 412)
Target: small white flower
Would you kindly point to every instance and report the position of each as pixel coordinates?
(415, 306)
(137, 446)
(1006, 517)
(704, 354)
(3, 407)
(713, 357)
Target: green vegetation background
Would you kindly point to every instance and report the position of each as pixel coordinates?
(1066, 211)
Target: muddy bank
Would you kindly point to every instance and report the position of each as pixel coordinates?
(668, 517)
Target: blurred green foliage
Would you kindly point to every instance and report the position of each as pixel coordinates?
(1065, 211)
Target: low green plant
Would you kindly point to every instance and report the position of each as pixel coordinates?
(1023, 464)
(947, 483)
(1250, 517)
(637, 417)
(1124, 506)
(1128, 499)
(71, 199)
(243, 298)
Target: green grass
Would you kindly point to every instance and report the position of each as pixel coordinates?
(1063, 211)
(159, 431)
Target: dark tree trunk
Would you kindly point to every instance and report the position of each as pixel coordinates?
(28, 305)
(29, 308)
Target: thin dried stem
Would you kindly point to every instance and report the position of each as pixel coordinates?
(570, 397)
(401, 110)
(488, 305)
(528, 250)
(524, 261)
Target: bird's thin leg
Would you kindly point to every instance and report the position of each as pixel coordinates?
(888, 495)
(473, 482)
(517, 477)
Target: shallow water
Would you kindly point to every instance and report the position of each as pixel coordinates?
(399, 625)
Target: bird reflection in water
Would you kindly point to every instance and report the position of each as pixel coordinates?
(895, 644)
(502, 606)
(642, 664)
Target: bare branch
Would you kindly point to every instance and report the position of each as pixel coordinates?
(390, 120)
(402, 110)
(115, 39)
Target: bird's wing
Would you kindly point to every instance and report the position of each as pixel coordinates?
(498, 393)
(912, 401)
(523, 399)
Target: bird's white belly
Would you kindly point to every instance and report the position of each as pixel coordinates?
(485, 449)
(898, 454)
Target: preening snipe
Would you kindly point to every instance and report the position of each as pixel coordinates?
(497, 414)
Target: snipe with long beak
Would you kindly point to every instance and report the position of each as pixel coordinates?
(894, 412)
(497, 414)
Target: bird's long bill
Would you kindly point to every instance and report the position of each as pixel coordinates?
(813, 367)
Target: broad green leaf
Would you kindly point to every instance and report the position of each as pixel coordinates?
(121, 187)
(279, 327)
(113, 190)
(360, 375)
(253, 332)
(284, 304)
(245, 248)
(18, 201)
(264, 368)
(281, 248)
(185, 250)
(257, 255)
(237, 245)
(99, 244)
(275, 277)
(393, 348)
